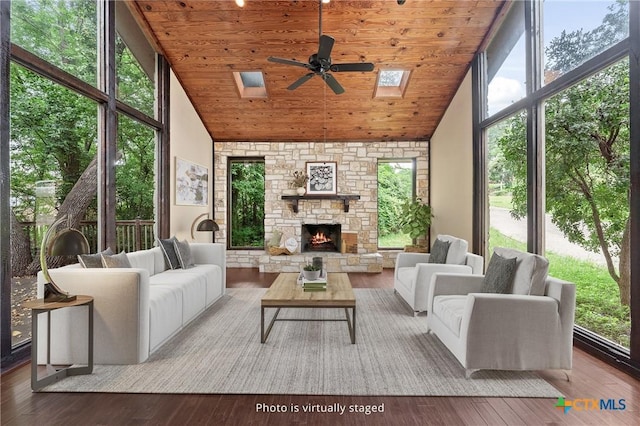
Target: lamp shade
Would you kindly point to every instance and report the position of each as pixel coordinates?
(69, 242)
(208, 225)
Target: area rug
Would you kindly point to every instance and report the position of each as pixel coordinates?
(221, 353)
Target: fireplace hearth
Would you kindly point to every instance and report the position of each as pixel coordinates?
(321, 238)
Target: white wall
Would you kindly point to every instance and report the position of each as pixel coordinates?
(452, 168)
(189, 141)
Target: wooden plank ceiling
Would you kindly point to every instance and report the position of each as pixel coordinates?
(206, 41)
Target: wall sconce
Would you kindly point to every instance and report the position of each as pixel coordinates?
(208, 225)
(69, 242)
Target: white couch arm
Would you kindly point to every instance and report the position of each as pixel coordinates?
(507, 331)
(405, 259)
(121, 316)
(211, 253)
(453, 284)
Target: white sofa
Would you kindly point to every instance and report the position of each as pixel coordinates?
(531, 328)
(136, 309)
(413, 272)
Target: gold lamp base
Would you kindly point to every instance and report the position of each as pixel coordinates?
(52, 294)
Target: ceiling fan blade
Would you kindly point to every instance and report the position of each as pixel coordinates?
(287, 62)
(300, 81)
(326, 44)
(356, 66)
(333, 83)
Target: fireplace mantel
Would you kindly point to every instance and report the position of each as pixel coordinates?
(294, 199)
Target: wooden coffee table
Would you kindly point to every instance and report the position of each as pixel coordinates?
(285, 292)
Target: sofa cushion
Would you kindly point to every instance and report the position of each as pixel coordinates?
(499, 275)
(439, 251)
(169, 251)
(449, 310)
(143, 259)
(531, 271)
(165, 313)
(184, 254)
(93, 260)
(458, 248)
(119, 260)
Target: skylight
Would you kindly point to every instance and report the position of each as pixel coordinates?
(250, 84)
(391, 83)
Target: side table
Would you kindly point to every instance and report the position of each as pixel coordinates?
(39, 306)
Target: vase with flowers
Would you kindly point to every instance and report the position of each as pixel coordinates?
(299, 181)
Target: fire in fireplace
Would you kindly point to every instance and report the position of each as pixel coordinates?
(321, 237)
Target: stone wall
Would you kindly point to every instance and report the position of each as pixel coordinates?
(357, 175)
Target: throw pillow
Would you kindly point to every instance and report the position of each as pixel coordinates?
(275, 239)
(183, 251)
(119, 260)
(169, 251)
(499, 276)
(439, 251)
(93, 260)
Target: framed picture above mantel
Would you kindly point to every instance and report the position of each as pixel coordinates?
(323, 177)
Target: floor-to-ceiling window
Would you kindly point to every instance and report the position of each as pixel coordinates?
(61, 83)
(507, 181)
(563, 150)
(396, 186)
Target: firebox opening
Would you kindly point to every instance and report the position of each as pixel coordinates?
(321, 237)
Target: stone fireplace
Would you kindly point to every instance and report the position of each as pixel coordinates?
(357, 168)
(321, 238)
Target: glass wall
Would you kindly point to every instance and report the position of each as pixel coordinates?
(62, 32)
(58, 126)
(396, 186)
(506, 62)
(135, 185)
(568, 158)
(53, 143)
(587, 198)
(507, 180)
(594, 26)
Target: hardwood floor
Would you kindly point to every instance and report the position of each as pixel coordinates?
(591, 379)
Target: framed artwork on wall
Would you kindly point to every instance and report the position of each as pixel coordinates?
(323, 177)
(192, 183)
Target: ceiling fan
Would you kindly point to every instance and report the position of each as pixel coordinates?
(320, 63)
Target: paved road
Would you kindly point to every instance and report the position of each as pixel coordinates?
(555, 241)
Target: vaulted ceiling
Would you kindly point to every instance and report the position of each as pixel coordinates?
(206, 41)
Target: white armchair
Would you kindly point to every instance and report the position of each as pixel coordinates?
(413, 272)
(529, 329)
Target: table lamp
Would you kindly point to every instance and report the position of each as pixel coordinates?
(69, 242)
(208, 225)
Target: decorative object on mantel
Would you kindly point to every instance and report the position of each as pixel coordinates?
(416, 220)
(300, 179)
(323, 177)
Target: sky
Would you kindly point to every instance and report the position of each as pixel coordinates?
(508, 85)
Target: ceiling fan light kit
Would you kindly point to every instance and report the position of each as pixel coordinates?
(320, 63)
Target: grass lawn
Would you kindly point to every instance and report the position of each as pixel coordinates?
(394, 241)
(598, 305)
(503, 201)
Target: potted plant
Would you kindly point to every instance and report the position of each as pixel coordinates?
(311, 272)
(299, 181)
(415, 221)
